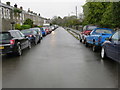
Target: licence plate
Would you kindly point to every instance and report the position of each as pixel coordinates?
(1, 47)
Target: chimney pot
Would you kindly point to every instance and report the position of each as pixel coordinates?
(8, 3)
(15, 5)
(21, 8)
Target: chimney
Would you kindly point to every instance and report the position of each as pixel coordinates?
(21, 8)
(28, 9)
(8, 3)
(15, 5)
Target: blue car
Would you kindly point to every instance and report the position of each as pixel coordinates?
(97, 37)
(32, 35)
(43, 31)
(111, 47)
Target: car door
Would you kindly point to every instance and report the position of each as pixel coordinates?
(36, 35)
(89, 38)
(113, 47)
(25, 40)
(19, 38)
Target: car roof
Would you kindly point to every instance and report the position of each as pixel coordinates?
(35, 28)
(13, 30)
(9, 31)
(103, 28)
(25, 29)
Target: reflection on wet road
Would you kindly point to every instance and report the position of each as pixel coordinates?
(60, 61)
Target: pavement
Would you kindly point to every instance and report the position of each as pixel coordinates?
(59, 61)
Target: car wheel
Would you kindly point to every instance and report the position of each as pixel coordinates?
(103, 53)
(80, 38)
(83, 41)
(94, 48)
(19, 51)
(41, 37)
(39, 41)
(29, 45)
(86, 44)
(35, 42)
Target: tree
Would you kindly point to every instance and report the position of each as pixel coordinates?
(28, 22)
(105, 14)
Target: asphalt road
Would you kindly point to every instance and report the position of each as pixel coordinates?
(60, 61)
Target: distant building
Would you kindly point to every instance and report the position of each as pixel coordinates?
(9, 16)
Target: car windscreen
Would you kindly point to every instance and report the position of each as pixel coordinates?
(103, 31)
(26, 31)
(35, 29)
(5, 36)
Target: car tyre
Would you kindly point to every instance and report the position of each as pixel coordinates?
(35, 42)
(29, 45)
(19, 50)
(39, 41)
(86, 44)
(94, 48)
(83, 41)
(80, 38)
(103, 53)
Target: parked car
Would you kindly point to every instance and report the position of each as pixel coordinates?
(53, 28)
(97, 37)
(32, 35)
(111, 47)
(39, 32)
(13, 41)
(43, 31)
(86, 31)
(50, 29)
(46, 30)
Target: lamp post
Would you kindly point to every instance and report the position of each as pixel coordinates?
(76, 11)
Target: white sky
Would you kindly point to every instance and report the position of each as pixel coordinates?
(50, 8)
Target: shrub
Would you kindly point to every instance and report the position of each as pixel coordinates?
(18, 26)
(25, 26)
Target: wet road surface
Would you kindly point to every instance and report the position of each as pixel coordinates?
(60, 61)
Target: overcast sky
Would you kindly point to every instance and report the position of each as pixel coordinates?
(50, 8)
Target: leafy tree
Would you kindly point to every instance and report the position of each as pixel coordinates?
(18, 26)
(106, 14)
(28, 22)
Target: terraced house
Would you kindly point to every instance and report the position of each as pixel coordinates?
(6, 17)
(11, 15)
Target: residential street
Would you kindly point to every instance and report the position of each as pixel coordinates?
(59, 61)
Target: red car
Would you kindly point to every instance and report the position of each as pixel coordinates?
(47, 30)
(86, 31)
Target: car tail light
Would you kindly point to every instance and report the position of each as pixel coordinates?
(82, 33)
(30, 35)
(12, 42)
(47, 29)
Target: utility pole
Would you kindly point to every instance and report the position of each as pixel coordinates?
(76, 11)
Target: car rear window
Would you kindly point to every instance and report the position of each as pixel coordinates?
(104, 31)
(26, 31)
(5, 36)
(89, 28)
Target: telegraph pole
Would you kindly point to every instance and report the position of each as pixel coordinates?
(76, 11)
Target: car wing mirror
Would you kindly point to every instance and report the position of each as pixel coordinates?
(25, 36)
(109, 39)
